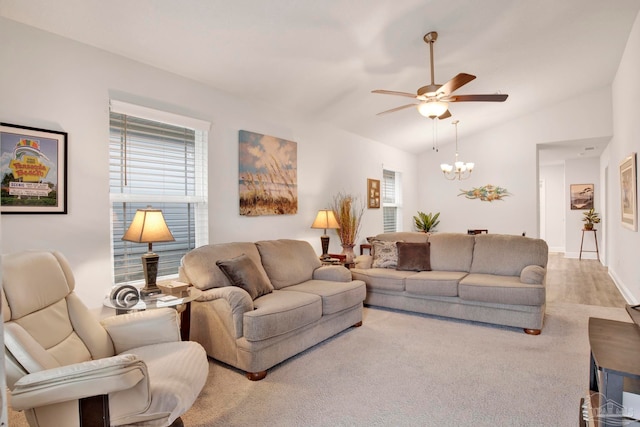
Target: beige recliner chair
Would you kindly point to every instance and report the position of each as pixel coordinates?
(59, 357)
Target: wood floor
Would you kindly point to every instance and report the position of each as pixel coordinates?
(581, 282)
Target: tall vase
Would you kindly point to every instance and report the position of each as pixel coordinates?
(347, 251)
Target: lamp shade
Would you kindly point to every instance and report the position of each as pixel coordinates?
(432, 109)
(148, 226)
(325, 219)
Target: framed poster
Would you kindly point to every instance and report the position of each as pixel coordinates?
(628, 199)
(34, 170)
(268, 175)
(373, 193)
(581, 196)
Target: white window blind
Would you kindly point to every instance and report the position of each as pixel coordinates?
(158, 164)
(390, 201)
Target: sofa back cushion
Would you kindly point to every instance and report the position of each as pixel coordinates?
(288, 262)
(403, 236)
(451, 251)
(507, 255)
(199, 267)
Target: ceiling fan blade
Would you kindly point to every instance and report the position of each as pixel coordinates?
(456, 83)
(497, 97)
(444, 115)
(393, 92)
(397, 109)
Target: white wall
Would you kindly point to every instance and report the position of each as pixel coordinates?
(50, 82)
(554, 206)
(624, 244)
(506, 156)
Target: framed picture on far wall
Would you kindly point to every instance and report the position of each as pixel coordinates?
(34, 170)
(581, 196)
(628, 199)
(373, 193)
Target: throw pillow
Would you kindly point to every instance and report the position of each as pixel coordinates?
(385, 254)
(243, 273)
(413, 256)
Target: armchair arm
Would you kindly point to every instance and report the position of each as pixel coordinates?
(133, 330)
(72, 382)
(334, 273)
(238, 300)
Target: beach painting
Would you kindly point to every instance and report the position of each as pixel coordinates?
(581, 196)
(268, 180)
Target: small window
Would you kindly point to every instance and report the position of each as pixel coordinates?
(162, 165)
(390, 201)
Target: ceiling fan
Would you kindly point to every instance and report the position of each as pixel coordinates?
(434, 99)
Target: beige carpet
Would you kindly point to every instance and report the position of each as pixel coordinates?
(411, 370)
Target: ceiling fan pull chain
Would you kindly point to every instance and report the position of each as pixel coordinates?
(435, 135)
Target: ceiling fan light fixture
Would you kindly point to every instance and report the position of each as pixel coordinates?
(432, 109)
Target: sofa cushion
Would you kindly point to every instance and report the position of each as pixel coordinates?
(280, 312)
(199, 268)
(381, 278)
(385, 254)
(451, 251)
(288, 262)
(243, 273)
(500, 289)
(434, 283)
(336, 296)
(507, 255)
(413, 256)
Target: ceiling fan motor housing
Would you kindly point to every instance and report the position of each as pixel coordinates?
(429, 90)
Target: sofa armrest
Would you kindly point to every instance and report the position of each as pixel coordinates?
(79, 380)
(333, 273)
(533, 275)
(133, 330)
(238, 300)
(363, 261)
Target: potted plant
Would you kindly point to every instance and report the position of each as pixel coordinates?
(426, 222)
(590, 217)
(348, 212)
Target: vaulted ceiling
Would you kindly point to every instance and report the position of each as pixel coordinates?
(322, 59)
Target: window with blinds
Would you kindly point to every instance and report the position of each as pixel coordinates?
(162, 165)
(390, 201)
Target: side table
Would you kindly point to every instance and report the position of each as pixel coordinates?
(613, 361)
(181, 303)
(595, 238)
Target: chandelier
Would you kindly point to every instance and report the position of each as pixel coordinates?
(459, 170)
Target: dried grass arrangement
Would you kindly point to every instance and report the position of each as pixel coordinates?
(348, 210)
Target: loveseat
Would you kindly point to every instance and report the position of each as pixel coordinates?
(489, 278)
(266, 301)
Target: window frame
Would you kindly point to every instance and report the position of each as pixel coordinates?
(195, 198)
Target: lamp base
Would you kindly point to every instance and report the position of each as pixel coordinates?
(150, 269)
(148, 291)
(324, 239)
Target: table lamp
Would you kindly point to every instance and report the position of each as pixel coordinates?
(325, 219)
(149, 226)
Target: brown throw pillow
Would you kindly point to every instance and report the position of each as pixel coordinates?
(414, 256)
(243, 273)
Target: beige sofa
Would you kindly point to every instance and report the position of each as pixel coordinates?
(300, 303)
(490, 278)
